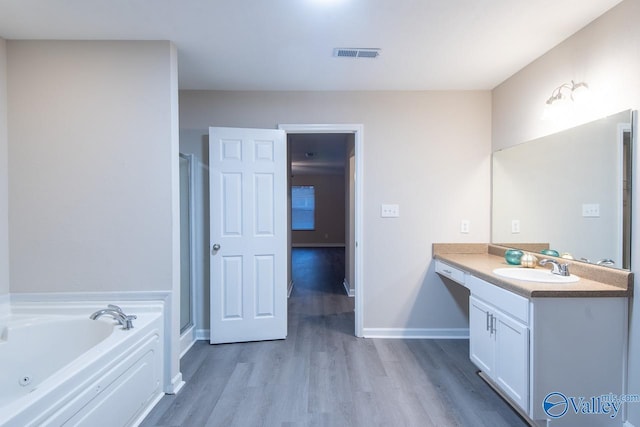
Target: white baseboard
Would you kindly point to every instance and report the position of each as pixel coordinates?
(350, 292)
(290, 289)
(416, 333)
(176, 384)
(318, 245)
(187, 340)
(203, 335)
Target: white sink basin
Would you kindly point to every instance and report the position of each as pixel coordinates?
(534, 275)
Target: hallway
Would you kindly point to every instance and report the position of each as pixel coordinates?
(322, 375)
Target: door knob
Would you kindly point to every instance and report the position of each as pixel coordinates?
(216, 247)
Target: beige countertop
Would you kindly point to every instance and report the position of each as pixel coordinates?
(481, 259)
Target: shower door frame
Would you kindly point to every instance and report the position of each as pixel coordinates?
(190, 329)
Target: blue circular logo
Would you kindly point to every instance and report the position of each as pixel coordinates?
(555, 404)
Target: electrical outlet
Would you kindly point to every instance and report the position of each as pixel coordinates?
(515, 226)
(464, 226)
(389, 211)
(591, 210)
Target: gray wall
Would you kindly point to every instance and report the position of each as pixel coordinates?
(93, 169)
(329, 211)
(604, 54)
(90, 166)
(429, 152)
(4, 174)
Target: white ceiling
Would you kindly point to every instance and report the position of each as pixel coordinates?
(288, 44)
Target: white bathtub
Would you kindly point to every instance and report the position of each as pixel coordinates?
(67, 369)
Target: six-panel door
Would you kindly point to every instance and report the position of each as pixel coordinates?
(248, 232)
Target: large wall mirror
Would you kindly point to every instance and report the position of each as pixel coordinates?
(570, 190)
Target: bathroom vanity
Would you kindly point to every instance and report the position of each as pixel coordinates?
(555, 351)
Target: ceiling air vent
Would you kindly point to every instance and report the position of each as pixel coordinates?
(341, 52)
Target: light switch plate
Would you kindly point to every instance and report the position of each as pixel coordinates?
(465, 224)
(515, 226)
(389, 211)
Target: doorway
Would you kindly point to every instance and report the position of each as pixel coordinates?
(319, 213)
(351, 165)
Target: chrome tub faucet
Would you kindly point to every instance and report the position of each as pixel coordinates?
(126, 321)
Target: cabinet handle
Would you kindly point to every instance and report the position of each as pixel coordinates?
(488, 321)
(447, 271)
(493, 324)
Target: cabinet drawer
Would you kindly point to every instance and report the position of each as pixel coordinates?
(452, 273)
(509, 303)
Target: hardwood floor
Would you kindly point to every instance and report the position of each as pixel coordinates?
(322, 375)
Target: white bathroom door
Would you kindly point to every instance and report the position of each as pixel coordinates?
(248, 234)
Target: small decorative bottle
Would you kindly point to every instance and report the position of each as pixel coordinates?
(528, 260)
(512, 256)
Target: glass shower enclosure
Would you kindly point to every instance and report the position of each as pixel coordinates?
(186, 242)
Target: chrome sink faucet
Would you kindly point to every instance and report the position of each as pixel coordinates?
(556, 267)
(126, 321)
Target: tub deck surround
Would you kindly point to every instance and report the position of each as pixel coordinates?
(481, 259)
(131, 301)
(5, 309)
(112, 374)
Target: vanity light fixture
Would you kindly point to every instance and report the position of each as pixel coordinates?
(561, 97)
(574, 91)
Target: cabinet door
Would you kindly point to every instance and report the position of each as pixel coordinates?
(512, 359)
(481, 338)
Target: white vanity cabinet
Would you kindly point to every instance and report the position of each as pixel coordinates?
(482, 338)
(547, 348)
(578, 348)
(499, 340)
(450, 272)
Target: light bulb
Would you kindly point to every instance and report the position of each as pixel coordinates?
(581, 93)
(549, 112)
